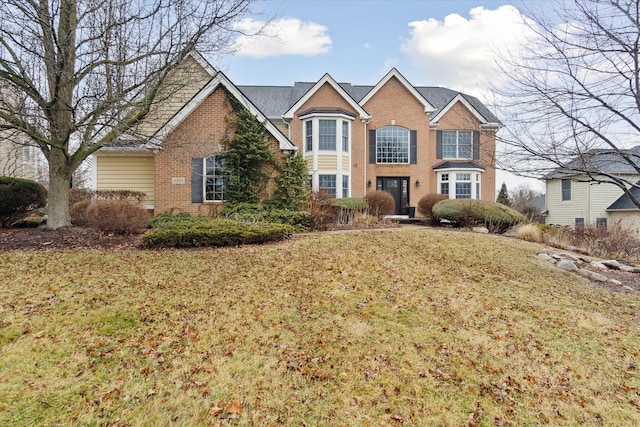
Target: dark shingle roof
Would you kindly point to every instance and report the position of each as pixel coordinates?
(599, 161)
(274, 101)
(624, 202)
(457, 165)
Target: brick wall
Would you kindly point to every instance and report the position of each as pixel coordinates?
(201, 134)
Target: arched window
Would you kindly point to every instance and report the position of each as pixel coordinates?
(392, 145)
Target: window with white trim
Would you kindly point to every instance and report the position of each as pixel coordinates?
(327, 135)
(345, 185)
(461, 184)
(345, 136)
(444, 183)
(566, 190)
(392, 145)
(457, 144)
(216, 179)
(327, 184)
(308, 136)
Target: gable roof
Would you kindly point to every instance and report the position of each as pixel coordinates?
(326, 79)
(624, 203)
(599, 161)
(464, 101)
(219, 80)
(394, 73)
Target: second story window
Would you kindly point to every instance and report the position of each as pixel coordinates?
(308, 126)
(457, 144)
(345, 136)
(392, 145)
(327, 135)
(566, 190)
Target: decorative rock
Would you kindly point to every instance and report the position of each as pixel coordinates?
(615, 282)
(598, 265)
(627, 268)
(568, 256)
(483, 230)
(544, 251)
(592, 275)
(611, 263)
(544, 256)
(628, 288)
(567, 265)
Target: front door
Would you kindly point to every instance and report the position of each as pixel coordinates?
(399, 189)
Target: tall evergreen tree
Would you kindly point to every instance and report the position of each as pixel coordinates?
(292, 186)
(503, 196)
(249, 158)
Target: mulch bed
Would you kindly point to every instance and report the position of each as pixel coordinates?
(72, 238)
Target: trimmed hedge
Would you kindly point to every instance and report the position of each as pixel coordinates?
(190, 232)
(19, 196)
(467, 213)
(255, 212)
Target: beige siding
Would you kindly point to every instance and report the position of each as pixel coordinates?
(628, 219)
(282, 127)
(309, 160)
(346, 164)
(564, 212)
(126, 173)
(602, 196)
(327, 163)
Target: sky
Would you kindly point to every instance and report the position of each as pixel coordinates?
(450, 43)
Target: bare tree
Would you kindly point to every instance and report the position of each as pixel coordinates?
(81, 73)
(572, 104)
(528, 202)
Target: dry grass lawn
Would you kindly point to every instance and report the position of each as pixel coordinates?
(411, 327)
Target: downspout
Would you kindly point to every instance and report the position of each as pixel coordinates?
(365, 122)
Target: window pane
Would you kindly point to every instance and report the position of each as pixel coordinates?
(215, 179)
(463, 190)
(345, 137)
(309, 135)
(327, 184)
(449, 150)
(327, 134)
(463, 177)
(566, 189)
(345, 186)
(444, 188)
(392, 145)
(464, 144)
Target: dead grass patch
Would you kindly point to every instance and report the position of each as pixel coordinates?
(420, 327)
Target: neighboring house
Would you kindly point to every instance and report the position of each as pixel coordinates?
(392, 136)
(576, 199)
(17, 158)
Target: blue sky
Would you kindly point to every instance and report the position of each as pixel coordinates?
(432, 43)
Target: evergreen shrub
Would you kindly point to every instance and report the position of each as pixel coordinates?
(18, 197)
(467, 213)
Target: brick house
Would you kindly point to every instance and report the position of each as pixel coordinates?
(392, 136)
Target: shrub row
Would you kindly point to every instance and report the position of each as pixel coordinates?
(250, 212)
(77, 195)
(202, 232)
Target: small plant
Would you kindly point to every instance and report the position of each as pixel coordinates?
(18, 197)
(380, 203)
(116, 216)
(529, 232)
(425, 204)
(321, 210)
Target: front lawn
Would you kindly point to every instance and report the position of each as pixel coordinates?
(411, 327)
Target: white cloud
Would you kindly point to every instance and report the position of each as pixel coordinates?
(286, 36)
(460, 53)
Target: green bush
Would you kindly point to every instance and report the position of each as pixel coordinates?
(164, 219)
(347, 208)
(255, 212)
(467, 213)
(19, 196)
(204, 232)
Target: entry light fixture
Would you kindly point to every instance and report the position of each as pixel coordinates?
(369, 183)
(417, 183)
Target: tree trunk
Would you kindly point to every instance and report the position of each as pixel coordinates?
(59, 180)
